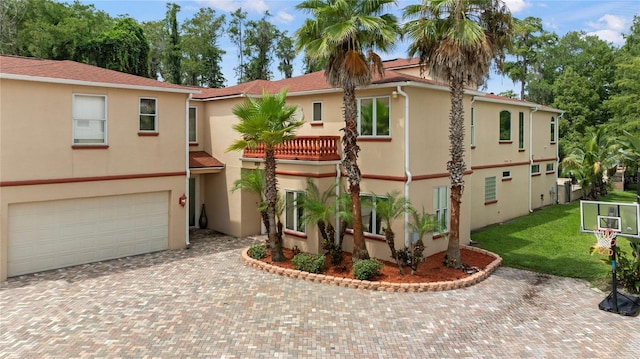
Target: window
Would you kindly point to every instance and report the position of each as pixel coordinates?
(506, 174)
(316, 112)
(505, 126)
(521, 131)
(472, 131)
(148, 115)
(490, 195)
(294, 211)
(553, 129)
(193, 125)
(371, 222)
(373, 119)
(441, 208)
(535, 169)
(550, 167)
(89, 120)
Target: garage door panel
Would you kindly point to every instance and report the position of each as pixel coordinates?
(55, 234)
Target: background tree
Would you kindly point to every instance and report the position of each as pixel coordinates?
(267, 122)
(157, 35)
(12, 13)
(123, 48)
(528, 44)
(173, 64)
(202, 55)
(286, 53)
(236, 34)
(341, 31)
(260, 39)
(310, 65)
(457, 42)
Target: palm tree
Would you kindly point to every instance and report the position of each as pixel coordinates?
(320, 210)
(389, 209)
(268, 122)
(253, 181)
(422, 223)
(590, 159)
(340, 32)
(456, 41)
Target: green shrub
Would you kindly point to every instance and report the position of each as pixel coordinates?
(257, 251)
(366, 269)
(312, 263)
(628, 272)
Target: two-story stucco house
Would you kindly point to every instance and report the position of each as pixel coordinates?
(93, 164)
(96, 164)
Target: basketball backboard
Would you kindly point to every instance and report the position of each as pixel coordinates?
(624, 218)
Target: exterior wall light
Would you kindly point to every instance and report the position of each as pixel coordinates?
(182, 200)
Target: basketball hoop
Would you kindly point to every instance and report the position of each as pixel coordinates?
(606, 239)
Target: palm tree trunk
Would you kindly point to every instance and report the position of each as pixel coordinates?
(456, 167)
(350, 164)
(271, 195)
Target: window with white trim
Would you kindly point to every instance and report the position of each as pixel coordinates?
(294, 212)
(472, 130)
(148, 112)
(373, 117)
(521, 130)
(316, 112)
(505, 125)
(553, 129)
(506, 174)
(371, 222)
(535, 169)
(193, 124)
(490, 189)
(441, 208)
(550, 167)
(89, 119)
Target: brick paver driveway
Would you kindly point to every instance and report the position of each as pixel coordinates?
(202, 302)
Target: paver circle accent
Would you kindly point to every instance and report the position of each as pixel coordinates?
(382, 286)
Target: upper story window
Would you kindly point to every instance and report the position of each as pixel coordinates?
(550, 167)
(89, 120)
(535, 169)
(472, 130)
(148, 114)
(193, 124)
(553, 129)
(294, 220)
(373, 119)
(371, 222)
(316, 112)
(505, 125)
(441, 208)
(521, 130)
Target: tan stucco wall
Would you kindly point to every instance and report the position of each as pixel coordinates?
(36, 145)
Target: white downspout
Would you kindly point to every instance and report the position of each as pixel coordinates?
(531, 154)
(406, 162)
(337, 204)
(557, 136)
(186, 190)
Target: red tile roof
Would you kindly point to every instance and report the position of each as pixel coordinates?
(71, 71)
(401, 63)
(491, 96)
(201, 159)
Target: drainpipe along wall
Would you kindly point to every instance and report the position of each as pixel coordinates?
(186, 187)
(406, 162)
(533, 110)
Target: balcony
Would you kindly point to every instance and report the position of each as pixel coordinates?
(302, 148)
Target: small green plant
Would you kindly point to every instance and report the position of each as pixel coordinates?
(257, 251)
(367, 269)
(312, 263)
(628, 271)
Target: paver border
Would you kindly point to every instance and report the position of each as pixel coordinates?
(376, 285)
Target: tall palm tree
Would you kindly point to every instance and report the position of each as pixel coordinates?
(340, 32)
(456, 41)
(268, 122)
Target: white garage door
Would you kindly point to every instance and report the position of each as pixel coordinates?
(56, 234)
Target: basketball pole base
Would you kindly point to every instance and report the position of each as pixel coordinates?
(621, 304)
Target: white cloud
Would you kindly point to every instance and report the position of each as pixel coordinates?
(283, 17)
(609, 28)
(517, 5)
(250, 6)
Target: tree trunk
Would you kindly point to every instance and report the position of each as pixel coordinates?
(350, 164)
(391, 241)
(456, 167)
(271, 195)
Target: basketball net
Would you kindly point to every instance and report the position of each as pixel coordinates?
(606, 239)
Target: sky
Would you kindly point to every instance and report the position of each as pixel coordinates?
(606, 19)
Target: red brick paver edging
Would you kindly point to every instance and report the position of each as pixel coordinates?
(381, 286)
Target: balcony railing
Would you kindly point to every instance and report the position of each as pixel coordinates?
(302, 148)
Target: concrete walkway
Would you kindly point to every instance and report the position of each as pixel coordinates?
(202, 302)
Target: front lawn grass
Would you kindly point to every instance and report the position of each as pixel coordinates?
(549, 241)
